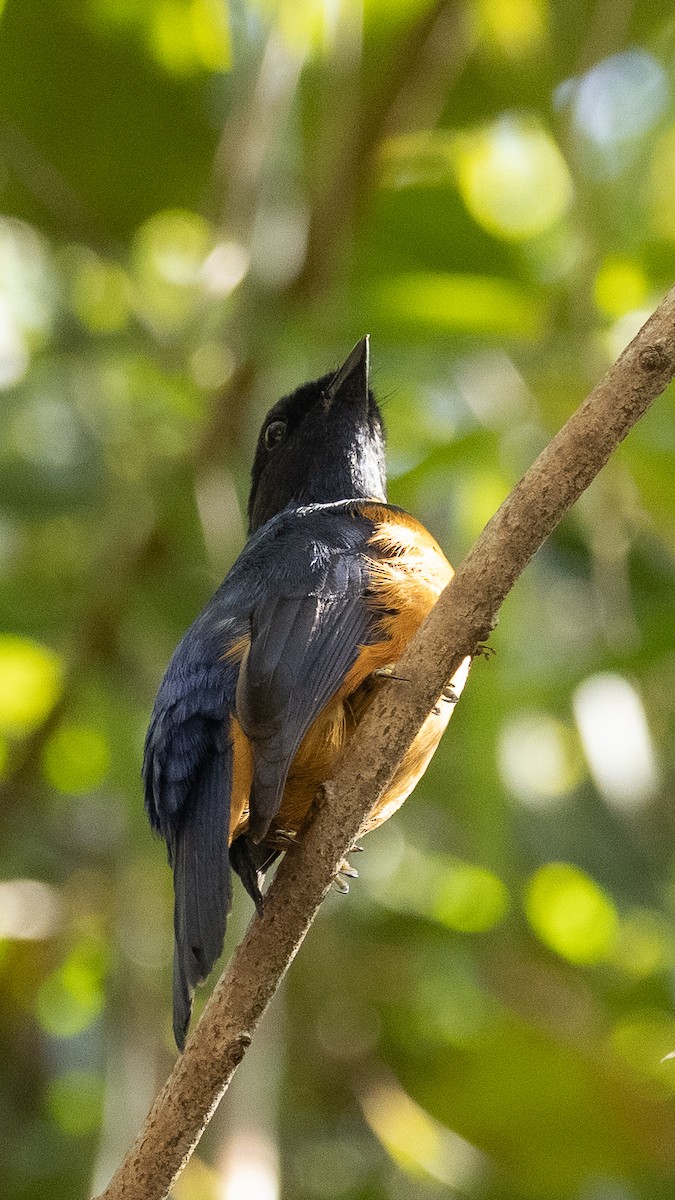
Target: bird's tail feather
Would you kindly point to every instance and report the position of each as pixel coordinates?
(201, 884)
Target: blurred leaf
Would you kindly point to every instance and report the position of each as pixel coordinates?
(437, 304)
(30, 682)
(571, 914)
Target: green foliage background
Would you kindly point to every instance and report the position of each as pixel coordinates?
(204, 206)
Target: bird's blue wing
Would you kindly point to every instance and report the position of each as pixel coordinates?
(298, 592)
(187, 772)
(306, 631)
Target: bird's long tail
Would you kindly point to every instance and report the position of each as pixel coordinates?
(200, 860)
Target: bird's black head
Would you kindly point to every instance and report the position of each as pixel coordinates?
(325, 442)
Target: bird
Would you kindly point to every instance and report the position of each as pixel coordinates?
(273, 677)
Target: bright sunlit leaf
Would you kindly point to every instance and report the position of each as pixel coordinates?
(571, 913)
(191, 35)
(30, 683)
(620, 287)
(458, 303)
(415, 1140)
(513, 178)
(514, 27)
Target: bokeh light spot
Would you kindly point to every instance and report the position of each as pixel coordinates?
(30, 683)
(13, 348)
(620, 98)
(169, 252)
(101, 294)
(441, 303)
(416, 1140)
(469, 898)
(514, 27)
(72, 997)
(75, 1101)
(620, 287)
(571, 913)
(210, 34)
(307, 26)
(30, 910)
(478, 496)
(615, 735)
(26, 297)
(187, 36)
(76, 759)
(539, 758)
(250, 1167)
(513, 178)
(175, 244)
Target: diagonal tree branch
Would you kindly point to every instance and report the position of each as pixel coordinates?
(464, 616)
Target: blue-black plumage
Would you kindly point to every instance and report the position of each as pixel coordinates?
(272, 678)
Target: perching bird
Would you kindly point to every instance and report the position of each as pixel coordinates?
(276, 672)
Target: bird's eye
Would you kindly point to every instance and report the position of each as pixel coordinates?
(275, 433)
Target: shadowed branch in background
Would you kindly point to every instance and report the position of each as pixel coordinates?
(463, 617)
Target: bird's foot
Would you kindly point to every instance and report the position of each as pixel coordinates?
(448, 696)
(483, 651)
(283, 838)
(387, 672)
(344, 872)
(243, 861)
(347, 869)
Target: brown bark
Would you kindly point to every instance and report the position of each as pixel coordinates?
(462, 619)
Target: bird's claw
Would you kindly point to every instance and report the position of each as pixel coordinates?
(387, 672)
(345, 868)
(345, 871)
(283, 838)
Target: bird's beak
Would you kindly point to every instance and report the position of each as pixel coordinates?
(351, 381)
